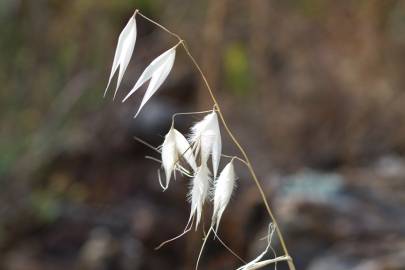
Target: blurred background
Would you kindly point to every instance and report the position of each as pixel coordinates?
(313, 88)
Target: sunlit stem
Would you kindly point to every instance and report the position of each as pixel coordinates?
(262, 264)
(189, 113)
(235, 157)
(228, 248)
(202, 247)
(147, 144)
(188, 227)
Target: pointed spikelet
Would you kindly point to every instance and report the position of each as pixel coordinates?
(206, 136)
(184, 150)
(123, 52)
(156, 72)
(169, 155)
(216, 144)
(257, 263)
(174, 147)
(224, 186)
(199, 192)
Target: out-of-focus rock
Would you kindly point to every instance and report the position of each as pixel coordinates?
(98, 249)
(394, 261)
(390, 166)
(104, 251)
(22, 258)
(333, 262)
(321, 211)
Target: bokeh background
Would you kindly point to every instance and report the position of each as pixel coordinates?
(313, 88)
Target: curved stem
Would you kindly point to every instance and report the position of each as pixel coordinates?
(235, 157)
(232, 136)
(159, 25)
(228, 248)
(188, 113)
(245, 156)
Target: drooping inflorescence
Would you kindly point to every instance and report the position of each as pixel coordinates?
(203, 142)
(188, 155)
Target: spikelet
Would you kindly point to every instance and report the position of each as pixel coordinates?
(224, 186)
(206, 136)
(184, 149)
(169, 155)
(123, 52)
(199, 192)
(174, 147)
(257, 263)
(156, 72)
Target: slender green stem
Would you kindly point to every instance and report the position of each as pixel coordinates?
(232, 136)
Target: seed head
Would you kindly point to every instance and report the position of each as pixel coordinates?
(199, 191)
(175, 147)
(223, 188)
(157, 72)
(123, 52)
(206, 137)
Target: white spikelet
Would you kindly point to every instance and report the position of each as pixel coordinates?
(169, 156)
(206, 136)
(216, 145)
(174, 147)
(199, 192)
(123, 52)
(257, 263)
(184, 149)
(157, 72)
(224, 186)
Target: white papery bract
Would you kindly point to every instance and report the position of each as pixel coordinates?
(123, 52)
(157, 72)
(256, 263)
(184, 150)
(199, 192)
(174, 147)
(223, 188)
(169, 156)
(206, 136)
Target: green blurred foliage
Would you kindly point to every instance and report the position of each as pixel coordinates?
(47, 201)
(44, 46)
(46, 205)
(238, 75)
(311, 8)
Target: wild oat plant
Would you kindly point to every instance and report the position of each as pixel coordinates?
(190, 155)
